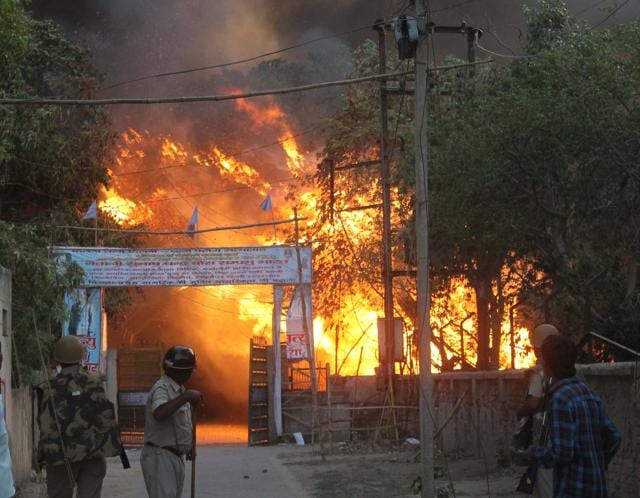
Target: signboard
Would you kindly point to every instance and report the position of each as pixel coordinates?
(398, 347)
(116, 267)
(297, 348)
(133, 398)
(84, 309)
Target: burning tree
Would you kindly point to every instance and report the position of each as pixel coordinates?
(533, 187)
(534, 171)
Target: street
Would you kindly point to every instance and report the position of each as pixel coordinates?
(223, 471)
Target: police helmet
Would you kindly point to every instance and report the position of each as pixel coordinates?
(541, 332)
(180, 358)
(68, 349)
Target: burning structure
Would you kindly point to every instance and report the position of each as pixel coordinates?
(170, 160)
(157, 179)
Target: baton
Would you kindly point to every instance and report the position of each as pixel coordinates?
(193, 456)
(124, 458)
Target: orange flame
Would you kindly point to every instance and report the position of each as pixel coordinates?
(124, 211)
(351, 347)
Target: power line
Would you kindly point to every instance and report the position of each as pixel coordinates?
(612, 13)
(178, 232)
(196, 98)
(320, 127)
(165, 199)
(236, 62)
(217, 98)
(597, 4)
(451, 7)
(224, 191)
(506, 56)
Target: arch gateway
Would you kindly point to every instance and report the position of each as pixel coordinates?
(104, 267)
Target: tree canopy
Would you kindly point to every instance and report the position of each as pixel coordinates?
(52, 163)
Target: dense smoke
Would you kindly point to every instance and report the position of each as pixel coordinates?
(130, 40)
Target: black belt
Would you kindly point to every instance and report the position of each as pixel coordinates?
(173, 450)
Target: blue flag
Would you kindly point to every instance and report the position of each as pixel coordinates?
(193, 223)
(266, 204)
(92, 212)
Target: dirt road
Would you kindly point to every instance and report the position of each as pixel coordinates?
(238, 471)
(228, 468)
(223, 471)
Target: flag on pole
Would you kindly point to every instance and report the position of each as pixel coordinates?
(193, 223)
(92, 212)
(266, 204)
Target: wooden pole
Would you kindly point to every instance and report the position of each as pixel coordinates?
(422, 254)
(193, 457)
(308, 334)
(329, 408)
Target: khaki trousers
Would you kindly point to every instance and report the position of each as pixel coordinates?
(163, 472)
(87, 474)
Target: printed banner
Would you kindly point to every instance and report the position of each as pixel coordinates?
(84, 308)
(115, 267)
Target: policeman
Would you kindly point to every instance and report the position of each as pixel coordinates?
(77, 425)
(168, 431)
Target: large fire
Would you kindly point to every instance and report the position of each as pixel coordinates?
(157, 181)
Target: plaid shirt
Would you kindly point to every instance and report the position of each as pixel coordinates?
(582, 441)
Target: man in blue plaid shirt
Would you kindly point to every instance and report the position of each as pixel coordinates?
(582, 439)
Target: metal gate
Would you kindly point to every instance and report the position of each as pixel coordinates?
(138, 370)
(258, 392)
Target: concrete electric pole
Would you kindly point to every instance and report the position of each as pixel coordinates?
(425, 380)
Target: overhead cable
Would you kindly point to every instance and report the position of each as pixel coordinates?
(505, 56)
(179, 232)
(612, 13)
(236, 62)
(220, 98)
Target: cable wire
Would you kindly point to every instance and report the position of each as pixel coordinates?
(319, 127)
(505, 56)
(236, 62)
(612, 13)
(40, 101)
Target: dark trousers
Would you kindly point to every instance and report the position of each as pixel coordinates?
(87, 475)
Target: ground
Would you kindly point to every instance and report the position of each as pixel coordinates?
(289, 471)
(231, 469)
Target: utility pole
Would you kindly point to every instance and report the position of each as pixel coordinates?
(389, 326)
(425, 380)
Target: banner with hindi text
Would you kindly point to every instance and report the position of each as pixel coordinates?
(121, 267)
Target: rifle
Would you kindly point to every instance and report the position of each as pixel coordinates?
(528, 480)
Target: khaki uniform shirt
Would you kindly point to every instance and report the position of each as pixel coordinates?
(175, 431)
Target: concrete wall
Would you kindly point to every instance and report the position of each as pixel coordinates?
(485, 419)
(483, 405)
(18, 406)
(5, 327)
(20, 427)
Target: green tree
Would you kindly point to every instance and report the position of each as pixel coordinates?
(52, 163)
(548, 150)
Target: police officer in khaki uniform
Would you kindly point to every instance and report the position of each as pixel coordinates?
(77, 425)
(168, 431)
